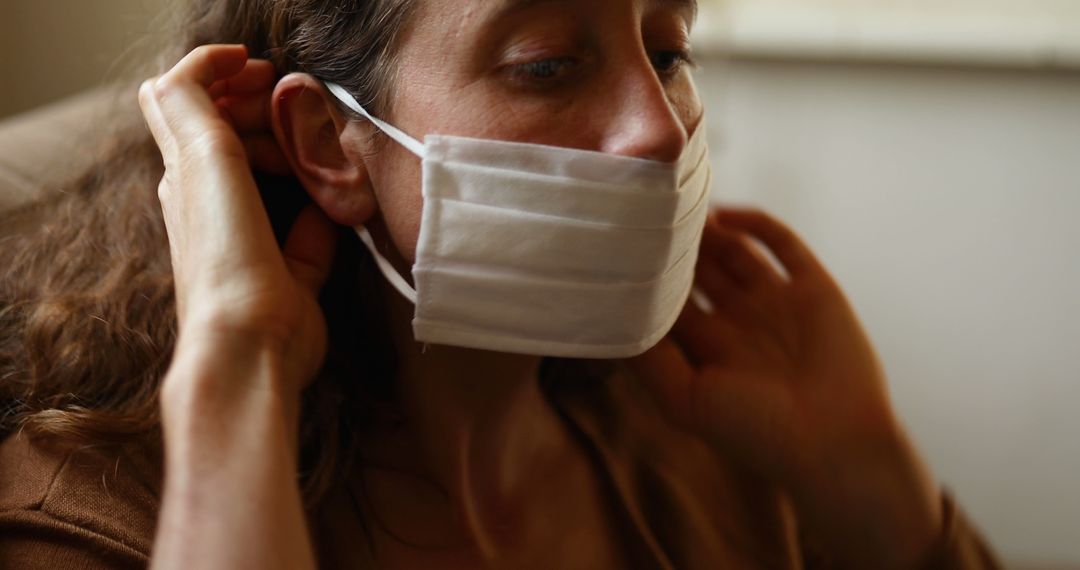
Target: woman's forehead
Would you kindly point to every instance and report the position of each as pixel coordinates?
(499, 9)
(454, 20)
(503, 5)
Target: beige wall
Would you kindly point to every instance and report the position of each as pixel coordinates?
(53, 48)
(946, 203)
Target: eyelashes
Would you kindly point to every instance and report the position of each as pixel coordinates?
(556, 70)
(671, 61)
(546, 70)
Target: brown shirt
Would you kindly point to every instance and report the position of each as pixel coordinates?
(678, 504)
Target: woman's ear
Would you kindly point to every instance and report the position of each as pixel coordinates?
(308, 128)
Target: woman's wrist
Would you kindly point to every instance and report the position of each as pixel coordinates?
(230, 426)
(218, 378)
(880, 508)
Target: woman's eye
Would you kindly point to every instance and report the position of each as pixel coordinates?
(668, 62)
(544, 70)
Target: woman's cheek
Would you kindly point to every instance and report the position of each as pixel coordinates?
(685, 101)
(401, 206)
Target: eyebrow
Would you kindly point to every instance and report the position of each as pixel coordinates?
(508, 7)
(691, 5)
(511, 6)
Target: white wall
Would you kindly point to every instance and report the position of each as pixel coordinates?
(945, 202)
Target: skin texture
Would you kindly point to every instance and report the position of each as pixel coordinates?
(229, 400)
(780, 376)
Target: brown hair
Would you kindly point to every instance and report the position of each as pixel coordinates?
(87, 316)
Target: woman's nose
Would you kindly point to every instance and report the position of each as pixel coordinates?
(644, 123)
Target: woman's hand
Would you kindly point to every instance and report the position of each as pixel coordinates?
(782, 378)
(251, 332)
(236, 290)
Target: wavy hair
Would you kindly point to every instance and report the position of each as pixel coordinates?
(87, 306)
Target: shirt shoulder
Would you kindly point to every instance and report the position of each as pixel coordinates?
(686, 502)
(68, 507)
(704, 511)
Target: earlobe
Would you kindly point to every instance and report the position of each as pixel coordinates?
(308, 129)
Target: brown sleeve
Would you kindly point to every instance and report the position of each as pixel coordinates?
(960, 546)
(34, 540)
(84, 509)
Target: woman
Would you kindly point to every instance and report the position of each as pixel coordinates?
(758, 434)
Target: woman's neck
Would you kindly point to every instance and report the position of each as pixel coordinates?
(477, 426)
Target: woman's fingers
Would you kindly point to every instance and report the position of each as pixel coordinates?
(266, 155)
(152, 112)
(246, 113)
(208, 64)
(178, 108)
(739, 257)
(790, 251)
(244, 101)
(703, 337)
(257, 75)
(730, 300)
(245, 97)
(209, 189)
(309, 248)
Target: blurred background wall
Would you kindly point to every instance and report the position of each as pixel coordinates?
(930, 153)
(935, 167)
(945, 200)
(55, 48)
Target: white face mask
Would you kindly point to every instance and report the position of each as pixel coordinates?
(547, 250)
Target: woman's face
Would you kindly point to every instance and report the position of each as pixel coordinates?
(602, 75)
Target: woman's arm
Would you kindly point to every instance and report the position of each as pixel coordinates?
(231, 498)
(251, 331)
(781, 377)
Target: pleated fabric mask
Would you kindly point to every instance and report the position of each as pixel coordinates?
(545, 250)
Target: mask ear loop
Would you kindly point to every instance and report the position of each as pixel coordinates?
(414, 146)
(387, 269)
